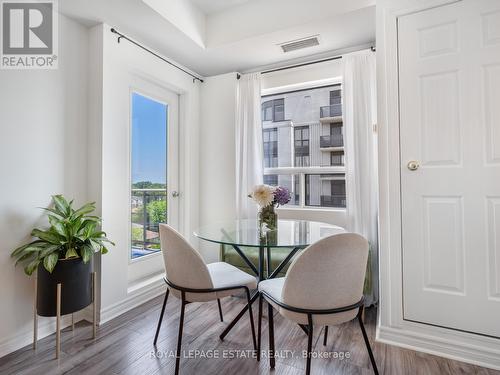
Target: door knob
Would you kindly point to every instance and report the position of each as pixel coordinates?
(175, 194)
(413, 165)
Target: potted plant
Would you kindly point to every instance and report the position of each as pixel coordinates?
(63, 254)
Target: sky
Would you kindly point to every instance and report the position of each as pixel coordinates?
(149, 140)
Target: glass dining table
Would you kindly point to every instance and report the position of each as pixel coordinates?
(246, 233)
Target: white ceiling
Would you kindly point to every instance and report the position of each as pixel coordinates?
(218, 36)
(216, 6)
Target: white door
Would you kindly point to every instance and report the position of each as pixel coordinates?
(449, 78)
(154, 172)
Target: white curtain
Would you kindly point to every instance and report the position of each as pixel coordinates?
(359, 112)
(249, 151)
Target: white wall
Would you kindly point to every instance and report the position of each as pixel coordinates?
(43, 151)
(217, 154)
(123, 64)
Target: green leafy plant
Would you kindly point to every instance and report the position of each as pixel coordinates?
(72, 233)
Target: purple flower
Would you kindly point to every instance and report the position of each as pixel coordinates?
(281, 195)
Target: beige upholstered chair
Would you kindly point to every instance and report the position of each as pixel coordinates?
(323, 286)
(191, 280)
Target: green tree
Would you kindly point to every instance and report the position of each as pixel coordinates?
(148, 185)
(157, 211)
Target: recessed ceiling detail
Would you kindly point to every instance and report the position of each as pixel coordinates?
(295, 45)
(213, 37)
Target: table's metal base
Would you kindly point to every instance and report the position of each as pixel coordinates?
(261, 275)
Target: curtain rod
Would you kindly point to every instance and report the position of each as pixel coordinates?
(114, 31)
(238, 75)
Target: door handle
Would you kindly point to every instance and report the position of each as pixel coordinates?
(175, 194)
(413, 165)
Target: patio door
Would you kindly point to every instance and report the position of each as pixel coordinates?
(154, 160)
(449, 79)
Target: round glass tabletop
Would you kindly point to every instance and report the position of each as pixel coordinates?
(289, 233)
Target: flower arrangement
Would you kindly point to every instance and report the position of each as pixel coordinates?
(269, 197)
(265, 195)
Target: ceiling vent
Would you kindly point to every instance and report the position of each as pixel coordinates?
(294, 45)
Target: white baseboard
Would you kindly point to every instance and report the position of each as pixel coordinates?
(46, 327)
(469, 348)
(137, 296)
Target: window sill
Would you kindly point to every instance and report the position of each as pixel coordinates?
(312, 209)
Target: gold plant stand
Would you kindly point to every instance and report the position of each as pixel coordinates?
(58, 315)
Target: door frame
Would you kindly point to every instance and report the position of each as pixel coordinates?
(148, 265)
(391, 326)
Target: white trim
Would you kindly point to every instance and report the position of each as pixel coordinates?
(311, 209)
(305, 170)
(302, 86)
(46, 327)
(485, 354)
(137, 295)
(391, 328)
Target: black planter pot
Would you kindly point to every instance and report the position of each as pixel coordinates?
(75, 278)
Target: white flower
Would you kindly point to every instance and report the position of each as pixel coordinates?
(263, 195)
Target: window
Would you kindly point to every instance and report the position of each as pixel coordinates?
(301, 145)
(270, 139)
(305, 152)
(325, 190)
(273, 110)
(149, 181)
(337, 158)
(279, 110)
(335, 97)
(271, 179)
(267, 111)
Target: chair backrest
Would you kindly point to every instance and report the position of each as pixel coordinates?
(183, 264)
(328, 274)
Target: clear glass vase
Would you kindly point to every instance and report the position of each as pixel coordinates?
(268, 217)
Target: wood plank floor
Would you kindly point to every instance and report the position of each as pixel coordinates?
(124, 346)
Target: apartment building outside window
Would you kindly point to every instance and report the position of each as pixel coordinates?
(304, 146)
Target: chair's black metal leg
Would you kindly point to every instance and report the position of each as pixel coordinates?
(220, 310)
(238, 317)
(259, 333)
(179, 338)
(249, 303)
(325, 339)
(367, 342)
(272, 362)
(309, 343)
(161, 316)
(304, 328)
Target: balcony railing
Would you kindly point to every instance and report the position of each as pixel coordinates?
(338, 201)
(333, 110)
(149, 208)
(333, 140)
